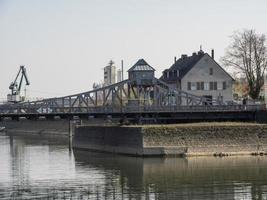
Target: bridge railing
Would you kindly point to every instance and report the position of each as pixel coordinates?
(195, 108)
(12, 109)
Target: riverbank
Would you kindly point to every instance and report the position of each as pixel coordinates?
(197, 139)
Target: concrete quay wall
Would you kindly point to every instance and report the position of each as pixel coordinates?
(58, 127)
(40, 127)
(126, 140)
(182, 139)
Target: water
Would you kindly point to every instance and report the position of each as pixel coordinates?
(46, 168)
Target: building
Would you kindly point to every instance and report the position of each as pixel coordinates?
(119, 75)
(110, 74)
(201, 75)
(141, 73)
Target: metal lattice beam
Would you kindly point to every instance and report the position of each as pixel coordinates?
(121, 97)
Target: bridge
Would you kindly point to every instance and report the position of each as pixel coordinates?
(140, 96)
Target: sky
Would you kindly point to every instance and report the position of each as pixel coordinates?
(65, 44)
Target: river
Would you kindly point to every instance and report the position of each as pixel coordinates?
(36, 167)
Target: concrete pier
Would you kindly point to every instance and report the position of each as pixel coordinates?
(218, 139)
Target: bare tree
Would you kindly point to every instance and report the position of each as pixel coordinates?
(248, 55)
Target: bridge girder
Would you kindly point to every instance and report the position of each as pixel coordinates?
(122, 97)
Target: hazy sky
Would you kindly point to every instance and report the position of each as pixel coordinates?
(65, 44)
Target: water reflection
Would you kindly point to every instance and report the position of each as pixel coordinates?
(33, 167)
(190, 178)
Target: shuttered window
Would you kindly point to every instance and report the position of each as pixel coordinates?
(189, 86)
(224, 85)
(214, 85)
(198, 85)
(211, 85)
(202, 85)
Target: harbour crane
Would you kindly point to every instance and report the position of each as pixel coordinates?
(15, 86)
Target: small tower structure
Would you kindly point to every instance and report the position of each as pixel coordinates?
(110, 74)
(141, 73)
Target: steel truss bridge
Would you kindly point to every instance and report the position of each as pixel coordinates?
(125, 98)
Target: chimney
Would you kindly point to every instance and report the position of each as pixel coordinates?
(122, 70)
(212, 53)
(174, 59)
(183, 56)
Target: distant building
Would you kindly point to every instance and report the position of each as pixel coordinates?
(200, 75)
(110, 74)
(119, 75)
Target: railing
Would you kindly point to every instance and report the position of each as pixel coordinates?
(12, 109)
(196, 108)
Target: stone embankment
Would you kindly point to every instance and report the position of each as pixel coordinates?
(218, 139)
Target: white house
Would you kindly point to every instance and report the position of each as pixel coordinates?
(200, 75)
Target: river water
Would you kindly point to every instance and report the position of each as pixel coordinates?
(46, 168)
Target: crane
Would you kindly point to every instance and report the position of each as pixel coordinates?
(15, 86)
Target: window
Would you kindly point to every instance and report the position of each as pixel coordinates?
(220, 85)
(177, 73)
(211, 85)
(206, 86)
(211, 71)
(189, 86)
(193, 86)
(214, 85)
(198, 86)
(202, 85)
(224, 85)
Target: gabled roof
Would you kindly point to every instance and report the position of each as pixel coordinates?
(141, 65)
(185, 64)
